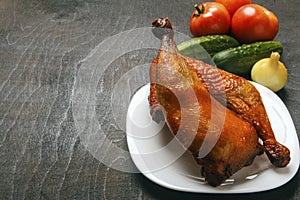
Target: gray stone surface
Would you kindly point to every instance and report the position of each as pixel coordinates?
(44, 47)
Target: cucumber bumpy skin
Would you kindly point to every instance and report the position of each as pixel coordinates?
(240, 60)
(199, 47)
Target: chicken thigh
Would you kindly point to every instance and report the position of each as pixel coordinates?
(221, 141)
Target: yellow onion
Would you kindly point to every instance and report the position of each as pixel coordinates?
(270, 72)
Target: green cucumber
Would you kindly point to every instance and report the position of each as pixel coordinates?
(240, 60)
(199, 47)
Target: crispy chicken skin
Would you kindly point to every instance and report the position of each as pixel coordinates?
(234, 92)
(221, 141)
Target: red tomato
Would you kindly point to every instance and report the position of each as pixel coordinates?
(233, 5)
(252, 23)
(209, 18)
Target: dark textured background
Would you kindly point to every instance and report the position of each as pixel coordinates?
(43, 43)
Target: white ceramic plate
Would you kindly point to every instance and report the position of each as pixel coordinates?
(158, 156)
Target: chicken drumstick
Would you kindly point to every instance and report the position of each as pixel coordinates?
(195, 117)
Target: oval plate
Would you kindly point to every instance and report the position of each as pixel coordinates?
(162, 160)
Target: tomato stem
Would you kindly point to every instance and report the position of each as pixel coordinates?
(199, 10)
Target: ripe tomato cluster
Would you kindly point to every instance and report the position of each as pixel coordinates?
(246, 21)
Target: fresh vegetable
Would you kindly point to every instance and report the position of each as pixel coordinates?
(240, 60)
(209, 18)
(233, 5)
(270, 72)
(252, 23)
(212, 44)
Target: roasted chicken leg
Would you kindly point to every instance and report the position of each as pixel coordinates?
(221, 141)
(240, 96)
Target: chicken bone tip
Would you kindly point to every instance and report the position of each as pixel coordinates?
(162, 26)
